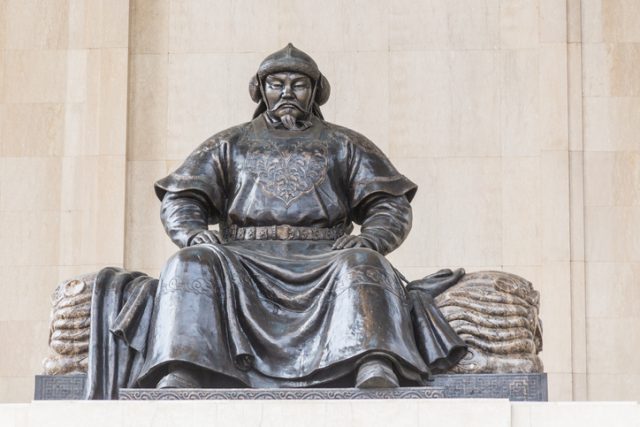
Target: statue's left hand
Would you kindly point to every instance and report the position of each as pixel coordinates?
(205, 236)
(350, 241)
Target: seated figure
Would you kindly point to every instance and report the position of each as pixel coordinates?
(283, 295)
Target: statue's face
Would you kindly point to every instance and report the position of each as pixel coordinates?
(288, 94)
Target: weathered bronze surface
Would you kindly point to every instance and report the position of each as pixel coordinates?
(282, 294)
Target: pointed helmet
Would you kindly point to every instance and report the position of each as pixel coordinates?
(292, 59)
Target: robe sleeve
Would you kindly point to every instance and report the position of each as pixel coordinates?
(184, 215)
(379, 196)
(371, 172)
(386, 221)
(194, 196)
(204, 173)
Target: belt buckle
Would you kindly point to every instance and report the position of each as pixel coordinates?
(283, 232)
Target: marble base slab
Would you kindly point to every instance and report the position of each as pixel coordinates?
(321, 413)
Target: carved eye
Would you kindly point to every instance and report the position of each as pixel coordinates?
(275, 85)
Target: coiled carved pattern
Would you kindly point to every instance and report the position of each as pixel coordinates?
(70, 326)
(496, 314)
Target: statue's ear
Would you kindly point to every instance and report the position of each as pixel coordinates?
(323, 90)
(254, 89)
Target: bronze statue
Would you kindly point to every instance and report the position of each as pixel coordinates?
(283, 295)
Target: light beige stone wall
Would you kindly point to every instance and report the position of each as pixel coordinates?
(611, 171)
(63, 111)
(517, 118)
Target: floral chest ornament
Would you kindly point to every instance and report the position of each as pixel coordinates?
(287, 169)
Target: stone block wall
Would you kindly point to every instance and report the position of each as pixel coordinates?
(63, 121)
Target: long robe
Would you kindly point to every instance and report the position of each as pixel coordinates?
(274, 313)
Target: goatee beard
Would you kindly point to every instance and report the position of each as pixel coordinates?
(289, 122)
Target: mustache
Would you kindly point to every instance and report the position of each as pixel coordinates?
(287, 103)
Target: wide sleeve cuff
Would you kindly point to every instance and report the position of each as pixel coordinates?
(397, 185)
(175, 183)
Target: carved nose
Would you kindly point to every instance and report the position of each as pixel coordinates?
(287, 92)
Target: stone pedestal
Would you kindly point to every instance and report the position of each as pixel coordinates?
(515, 387)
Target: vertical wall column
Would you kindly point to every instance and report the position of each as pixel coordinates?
(576, 179)
(611, 128)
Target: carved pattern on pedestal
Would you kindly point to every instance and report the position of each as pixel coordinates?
(282, 394)
(516, 387)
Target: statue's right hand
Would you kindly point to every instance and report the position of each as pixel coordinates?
(349, 241)
(205, 236)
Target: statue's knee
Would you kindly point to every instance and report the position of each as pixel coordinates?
(354, 257)
(191, 255)
(190, 270)
(363, 266)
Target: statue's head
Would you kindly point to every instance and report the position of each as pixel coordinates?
(289, 87)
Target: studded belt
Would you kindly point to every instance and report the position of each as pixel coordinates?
(282, 232)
